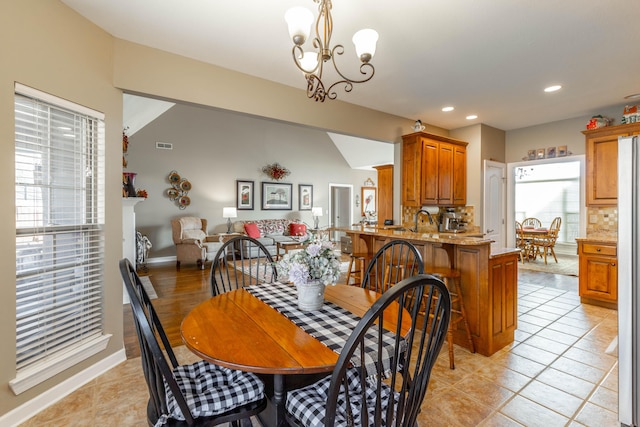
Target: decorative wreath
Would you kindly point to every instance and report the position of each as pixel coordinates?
(180, 187)
(276, 171)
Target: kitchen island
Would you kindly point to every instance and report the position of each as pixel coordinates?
(489, 280)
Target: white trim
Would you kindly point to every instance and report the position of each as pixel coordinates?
(52, 99)
(56, 393)
(41, 372)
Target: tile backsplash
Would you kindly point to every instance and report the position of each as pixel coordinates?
(409, 212)
(602, 221)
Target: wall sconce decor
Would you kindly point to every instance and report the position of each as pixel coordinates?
(180, 187)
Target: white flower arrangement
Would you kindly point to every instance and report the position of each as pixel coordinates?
(317, 261)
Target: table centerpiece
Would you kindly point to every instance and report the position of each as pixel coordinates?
(311, 269)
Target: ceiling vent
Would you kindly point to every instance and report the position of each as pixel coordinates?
(164, 145)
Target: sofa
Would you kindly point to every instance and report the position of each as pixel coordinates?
(269, 232)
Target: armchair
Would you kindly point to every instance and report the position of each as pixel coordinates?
(192, 242)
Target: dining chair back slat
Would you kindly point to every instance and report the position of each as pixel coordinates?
(395, 261)
(393, 393)
(240, 262)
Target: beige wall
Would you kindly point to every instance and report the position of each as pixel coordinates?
(48, 47)
(563, 132)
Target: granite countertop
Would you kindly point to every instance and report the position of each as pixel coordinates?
(599, 237)
(462, 239)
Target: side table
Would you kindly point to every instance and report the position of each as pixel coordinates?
(214, 242)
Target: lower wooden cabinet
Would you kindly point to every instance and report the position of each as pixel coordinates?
(598, 272)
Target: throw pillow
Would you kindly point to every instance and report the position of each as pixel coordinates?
(297, 229)
(252, 230)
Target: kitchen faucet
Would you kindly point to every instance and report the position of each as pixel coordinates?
(415, 228)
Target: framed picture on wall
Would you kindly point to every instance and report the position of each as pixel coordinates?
(305, 197)
(244, 195)
(541, 153)
(369, 200)
(276, 196)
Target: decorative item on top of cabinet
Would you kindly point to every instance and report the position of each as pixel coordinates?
(598, 272)
(434, 170)
(602, 163)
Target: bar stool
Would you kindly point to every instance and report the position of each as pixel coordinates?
(451, 279)
(357, 266)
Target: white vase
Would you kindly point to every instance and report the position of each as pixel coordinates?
(310, 295)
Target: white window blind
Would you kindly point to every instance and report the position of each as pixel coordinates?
(59, 191)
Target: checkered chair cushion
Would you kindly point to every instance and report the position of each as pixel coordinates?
(307, 405)
(211, 390)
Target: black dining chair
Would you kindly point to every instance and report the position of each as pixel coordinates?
(395, 261)
(198, 395)
(241, 261)
(380, 392)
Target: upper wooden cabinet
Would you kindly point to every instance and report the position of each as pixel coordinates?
(385, 192)
(602, 163)
(434, 170)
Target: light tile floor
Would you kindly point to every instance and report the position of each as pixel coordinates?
(561, 370)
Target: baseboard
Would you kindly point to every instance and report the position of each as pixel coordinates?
(160, 260)
(56, 393)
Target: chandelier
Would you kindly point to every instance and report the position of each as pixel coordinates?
(311, 63)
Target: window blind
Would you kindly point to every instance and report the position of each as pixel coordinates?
(59, 193)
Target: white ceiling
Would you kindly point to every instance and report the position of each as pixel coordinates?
(491, 57)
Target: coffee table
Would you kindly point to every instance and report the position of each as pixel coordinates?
(288, 246)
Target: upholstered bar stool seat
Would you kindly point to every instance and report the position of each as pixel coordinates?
(451, 279)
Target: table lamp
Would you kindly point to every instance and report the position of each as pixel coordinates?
(317, 213)
(229, 213)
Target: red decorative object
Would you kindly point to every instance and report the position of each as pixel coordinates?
(276, 171)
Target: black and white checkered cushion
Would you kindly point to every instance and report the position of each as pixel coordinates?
(308, 404)
(211, 390)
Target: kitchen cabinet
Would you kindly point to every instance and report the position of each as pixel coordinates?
(434, 170)
(598, 272)
(602, 163)
(385, 192)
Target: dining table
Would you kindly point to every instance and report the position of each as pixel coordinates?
(247, 329)
(531, 234)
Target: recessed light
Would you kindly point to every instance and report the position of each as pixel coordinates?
(472, 117)
(633, 96)
(447, 109)
(552, 88)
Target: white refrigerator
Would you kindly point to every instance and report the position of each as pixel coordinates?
(628, 279)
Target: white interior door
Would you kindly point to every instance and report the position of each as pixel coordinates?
(340, 207)
(494, 212)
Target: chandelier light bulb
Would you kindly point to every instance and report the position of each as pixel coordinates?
(365, 42)
(299, 20)
(309, 62)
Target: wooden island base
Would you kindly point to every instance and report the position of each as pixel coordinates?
(489, 281)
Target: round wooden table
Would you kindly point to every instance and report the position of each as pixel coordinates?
(239, 331)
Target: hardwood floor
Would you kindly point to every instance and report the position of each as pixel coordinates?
(178, 293)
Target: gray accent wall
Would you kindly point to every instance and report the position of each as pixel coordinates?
(213, 148)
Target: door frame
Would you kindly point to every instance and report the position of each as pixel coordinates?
(333, 185)
(511, 192)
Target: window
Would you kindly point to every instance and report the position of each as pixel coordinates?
(59, 195)
(550, 190)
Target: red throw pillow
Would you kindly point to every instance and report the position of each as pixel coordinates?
(297, 229)
(252, 230)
